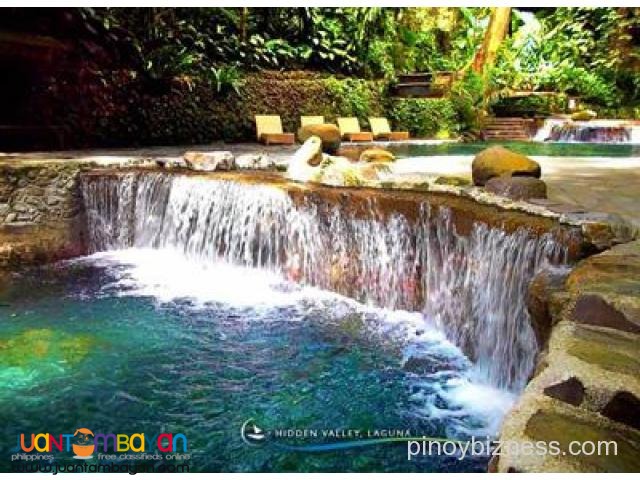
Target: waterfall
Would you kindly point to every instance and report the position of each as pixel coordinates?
(594, 131)
(472, 286)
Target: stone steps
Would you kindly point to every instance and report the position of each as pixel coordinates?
(506, 128)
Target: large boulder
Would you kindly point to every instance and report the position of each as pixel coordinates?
(377, 155)
(327, 132)
(517, 188)
(210, 161)
(303, 166)
(498, 161)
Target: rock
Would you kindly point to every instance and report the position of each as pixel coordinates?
(624, 407)
(601, 229)
(606, 289)
(541, 288)
(339, 172)
(517, 188)
(583, 115)
(254, 161)
(303, 166)
(498, 161)
(570, 391)
(453, 181)
(377, 155)
(170, 163)
(210, 161)
(593, 309)
(327, 132)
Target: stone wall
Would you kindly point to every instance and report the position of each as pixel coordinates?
(587, 384)
(39, 194)
(41, 215)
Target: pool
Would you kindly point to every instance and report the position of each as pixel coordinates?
(142, 340)
(526, 148)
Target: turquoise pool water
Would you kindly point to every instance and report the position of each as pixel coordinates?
(526, 148)
(145, 341)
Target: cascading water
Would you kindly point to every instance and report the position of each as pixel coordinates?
(472, 286)
(594, 131)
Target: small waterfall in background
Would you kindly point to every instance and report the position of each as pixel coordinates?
(473, 286)
(593, 131)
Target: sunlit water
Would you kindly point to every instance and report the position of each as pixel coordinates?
(147, 341)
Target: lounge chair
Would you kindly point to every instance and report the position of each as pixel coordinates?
(269, 131)
(311, 120)
(382, 130)
(350, 130)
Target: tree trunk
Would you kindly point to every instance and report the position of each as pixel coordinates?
(493, 37)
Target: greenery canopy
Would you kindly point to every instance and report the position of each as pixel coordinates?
(117, 55)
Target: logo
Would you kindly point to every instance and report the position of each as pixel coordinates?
(251, 434)
(83, 443)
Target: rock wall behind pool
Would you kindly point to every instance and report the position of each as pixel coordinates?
(400, 252)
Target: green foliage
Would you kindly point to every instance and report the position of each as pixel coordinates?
(424, 117)
(586, 52)
(225, 79)
(467, 100)
(531, 106)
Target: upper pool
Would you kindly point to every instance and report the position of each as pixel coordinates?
(526, 148)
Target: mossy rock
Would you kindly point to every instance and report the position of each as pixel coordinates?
(36, 345)
(564, 428)
(377, 155)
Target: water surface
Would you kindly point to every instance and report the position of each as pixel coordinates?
(146, 341)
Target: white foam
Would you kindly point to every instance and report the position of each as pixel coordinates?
(168, 275)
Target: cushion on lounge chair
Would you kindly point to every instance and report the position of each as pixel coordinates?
(348, 125)
(381, 129)
(269, 130)
(350, 130)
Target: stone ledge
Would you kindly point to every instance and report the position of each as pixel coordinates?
(588, 379)
(27, 245)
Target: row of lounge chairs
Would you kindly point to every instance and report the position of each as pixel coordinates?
(269, 129)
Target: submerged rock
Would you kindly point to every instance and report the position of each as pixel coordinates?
(498, 161)
(517, 188)
(43, 344)
(377, 155)
(210, 161)
(328, 133)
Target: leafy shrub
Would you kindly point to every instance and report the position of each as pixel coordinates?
(424, 117)
(531, 106)
(467, 99)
